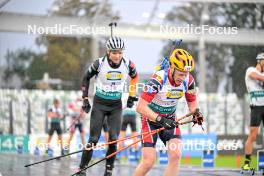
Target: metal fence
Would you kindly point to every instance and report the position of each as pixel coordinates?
(25, 111)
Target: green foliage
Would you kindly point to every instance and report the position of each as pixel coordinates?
(66, 58)
(17, 63)
(223, 60)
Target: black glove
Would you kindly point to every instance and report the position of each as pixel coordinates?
(130, 101)
(198, 118)
(86, 105)
(166, 123)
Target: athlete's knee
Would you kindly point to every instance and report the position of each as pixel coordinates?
(174, 157)
(148, 163)
(60, 137)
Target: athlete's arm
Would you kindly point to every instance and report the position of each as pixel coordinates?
(92, 70)
(82, 114)
(145, 111)
(256, 76)
(151, 88)
(134, 79)
(190, 95)
(52, 114)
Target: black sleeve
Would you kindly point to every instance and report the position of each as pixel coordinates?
(132, 69)
(90, 72)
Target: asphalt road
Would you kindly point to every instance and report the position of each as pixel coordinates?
(13, 165)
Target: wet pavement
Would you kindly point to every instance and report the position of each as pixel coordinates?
(13, 165)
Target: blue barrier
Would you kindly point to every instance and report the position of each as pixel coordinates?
(133, 155)
(37, 151)
(260, 160)
(208, 158)
(98, 152)
(195, 144)
(163, 157)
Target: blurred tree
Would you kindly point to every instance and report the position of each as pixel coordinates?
(67, 57)
(249, 16)
(190, 14)
(222, 61)
(17, 64)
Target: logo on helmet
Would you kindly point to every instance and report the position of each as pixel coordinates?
(260, 56)
(188, 68)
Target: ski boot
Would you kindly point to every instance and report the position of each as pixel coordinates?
(49, 152)
(81, 173)
(108, 170)
(65, 152)
(78, 172)
(247, 169)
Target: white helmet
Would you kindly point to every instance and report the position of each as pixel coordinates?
(115, 43)
(260, 56)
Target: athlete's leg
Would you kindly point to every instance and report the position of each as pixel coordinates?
(106, 136)
(72, 131)
(255, 121)
(134, 133)
(70, 138)
(172, 140)
(49, 139)
(133, 126)
(114, 125)
(148, 149)
(82, 133)
(106, 130)
(61, 142)
(51, 132)
(148, 160)
(174, 155)
(250, 140)
(59, 132)
(123, 132)
(96, 123)
(121, 136)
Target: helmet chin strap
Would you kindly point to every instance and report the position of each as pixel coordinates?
(173, 73)
(261, 67)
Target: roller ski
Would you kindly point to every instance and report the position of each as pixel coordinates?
(81, 173)
(108, 170)
(247, 170)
